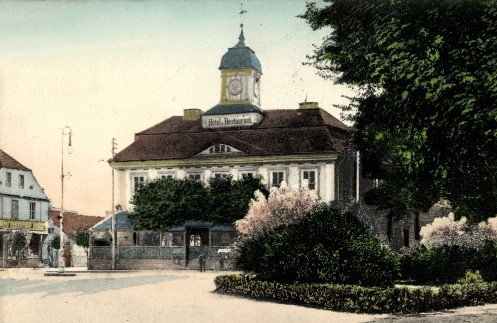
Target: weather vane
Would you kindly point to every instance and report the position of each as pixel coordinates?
(241, 13)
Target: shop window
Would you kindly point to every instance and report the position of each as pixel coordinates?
(14, 211)
(32, 210)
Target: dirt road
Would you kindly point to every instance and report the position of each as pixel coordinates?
(28, 295)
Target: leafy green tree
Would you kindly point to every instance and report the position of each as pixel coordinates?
(165, 202)
(229, 199)
(82, 239)
(19, 242)
(425, 113)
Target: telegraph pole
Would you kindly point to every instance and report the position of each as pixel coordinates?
(114, 235)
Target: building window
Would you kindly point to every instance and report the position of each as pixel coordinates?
(195, 240)
(219, 149)
(167, 176)
(195, 176)
(21, 181)
(8, 182)
(14, 211)
(221, 175)
(138, 182)
(246, 174)
(310, 177)
(406, 237)
(277, 177)
(32, 210)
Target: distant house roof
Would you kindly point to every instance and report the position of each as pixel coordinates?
(281, 132)
(73, 221)
(123, 222)
(6, 161)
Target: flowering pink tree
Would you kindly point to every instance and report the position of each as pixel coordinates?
(283, 206)
(448, 231)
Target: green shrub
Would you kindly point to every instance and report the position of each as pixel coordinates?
(448, 264)
(349, 298)
(326, 247)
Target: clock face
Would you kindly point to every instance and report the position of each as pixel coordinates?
(235, 87)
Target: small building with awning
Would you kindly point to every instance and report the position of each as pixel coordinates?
(176, 247)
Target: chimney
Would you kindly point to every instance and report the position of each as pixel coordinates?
(192, 114)
(308, 105)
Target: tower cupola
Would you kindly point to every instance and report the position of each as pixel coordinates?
(240, 56)
(240, 101)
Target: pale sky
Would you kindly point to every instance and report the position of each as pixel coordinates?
(114, 68)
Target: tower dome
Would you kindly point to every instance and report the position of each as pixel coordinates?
(240, 56)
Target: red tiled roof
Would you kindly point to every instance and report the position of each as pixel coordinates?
(6, 161)
(303, 131)
(73, 221)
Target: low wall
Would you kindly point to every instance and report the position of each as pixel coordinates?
(158, 264)
(156, 258)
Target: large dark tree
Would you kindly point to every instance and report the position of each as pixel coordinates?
(426, 112)
(229, 200)
(165, 202)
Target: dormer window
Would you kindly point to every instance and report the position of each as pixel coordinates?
(219, 149)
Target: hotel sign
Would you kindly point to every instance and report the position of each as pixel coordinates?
(230, 120)
(22, 225)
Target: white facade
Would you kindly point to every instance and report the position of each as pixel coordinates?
(317, 175)
(23, 204)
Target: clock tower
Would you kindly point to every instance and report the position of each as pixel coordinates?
(240, 89)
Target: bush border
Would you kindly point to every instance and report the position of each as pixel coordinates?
(357, 299)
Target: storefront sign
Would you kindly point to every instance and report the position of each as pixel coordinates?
(22, 225)
(233, 120)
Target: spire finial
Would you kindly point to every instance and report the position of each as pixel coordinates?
(241, 15)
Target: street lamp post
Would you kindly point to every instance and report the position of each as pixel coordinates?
(66, 131)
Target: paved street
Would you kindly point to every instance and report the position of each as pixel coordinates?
(28, 295)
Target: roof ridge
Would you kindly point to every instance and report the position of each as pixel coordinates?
(8, 161)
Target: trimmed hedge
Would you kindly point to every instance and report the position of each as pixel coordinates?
(357, 299)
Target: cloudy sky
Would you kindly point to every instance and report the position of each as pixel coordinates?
(110, 69)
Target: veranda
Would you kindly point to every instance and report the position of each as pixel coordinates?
(177, 247)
